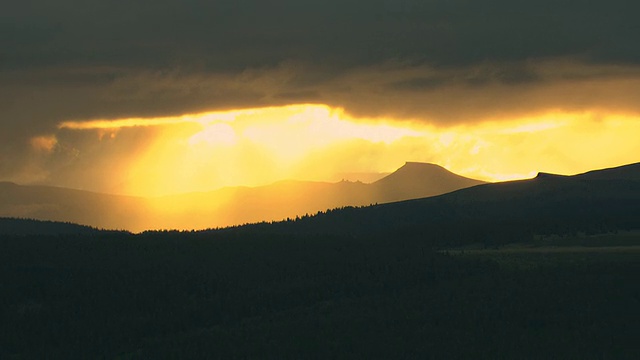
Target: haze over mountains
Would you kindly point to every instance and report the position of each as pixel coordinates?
(594, 202)
(223, 207)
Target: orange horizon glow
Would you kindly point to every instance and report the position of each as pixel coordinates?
(258, 146)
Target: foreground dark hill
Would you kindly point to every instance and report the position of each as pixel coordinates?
(224, 207)
(626, 172)
(593, 202)
(24, 227)
(350, 283)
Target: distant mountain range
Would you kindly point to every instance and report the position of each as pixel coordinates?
(593, 202)
(223, 207)
(499, 213)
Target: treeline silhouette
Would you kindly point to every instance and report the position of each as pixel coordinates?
(20, 226)
(228, 295)
(594, 202)
(492, 215)
(371, 282)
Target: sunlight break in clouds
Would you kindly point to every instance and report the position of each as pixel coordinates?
(251, 147)
(203, 118)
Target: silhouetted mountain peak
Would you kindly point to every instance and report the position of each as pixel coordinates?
(420, 164)
(412, 168)
(418, 171)
(416, 179)
(414, 165)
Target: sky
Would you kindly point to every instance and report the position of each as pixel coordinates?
(159, 97)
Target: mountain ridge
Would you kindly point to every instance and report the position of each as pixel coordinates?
(412, 175)
(490, 213)
(226, 206)
(627, 171)
(496, 213)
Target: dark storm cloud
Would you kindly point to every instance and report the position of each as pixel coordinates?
(444, 60)
(507, 74)
(236, 34)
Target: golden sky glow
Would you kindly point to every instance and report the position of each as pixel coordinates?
(251, 147)
(44, 143)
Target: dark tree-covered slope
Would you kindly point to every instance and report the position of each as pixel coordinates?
(12, 226)
(349, 283)
(497, 213)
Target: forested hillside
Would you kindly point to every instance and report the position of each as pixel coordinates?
(559, 280)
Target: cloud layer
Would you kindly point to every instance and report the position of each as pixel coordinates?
(440, 62)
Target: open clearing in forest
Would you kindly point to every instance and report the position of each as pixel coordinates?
(549, 251)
